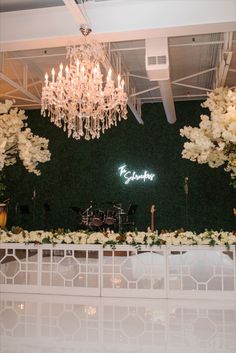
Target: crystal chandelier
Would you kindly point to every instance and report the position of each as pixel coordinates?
(77, 99)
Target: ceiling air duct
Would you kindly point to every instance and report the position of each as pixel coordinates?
(157, 59)
(157, 67)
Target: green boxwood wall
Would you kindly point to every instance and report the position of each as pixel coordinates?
(80, 171)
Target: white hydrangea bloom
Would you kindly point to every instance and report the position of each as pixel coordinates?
(18, 140)
(172, 238)
(214, 141)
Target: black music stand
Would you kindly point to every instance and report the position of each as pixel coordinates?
(129, 224)
(132, 209)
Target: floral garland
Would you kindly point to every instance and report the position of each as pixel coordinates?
(214, 141)
(16, 139)
(178, 237)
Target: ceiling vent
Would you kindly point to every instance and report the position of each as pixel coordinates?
(157, 59)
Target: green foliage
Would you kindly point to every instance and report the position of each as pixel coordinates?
(80, 171)
(46, 241)
(233, 183)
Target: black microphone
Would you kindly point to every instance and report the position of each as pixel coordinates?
(186, 185)
(34, 194)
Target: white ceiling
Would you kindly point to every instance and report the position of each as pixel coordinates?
(18, 5)
(34, 35)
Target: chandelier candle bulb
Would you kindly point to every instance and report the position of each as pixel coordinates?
(53, 75)
(119, 78)
(67, 71)
(82, 72)
(61, 72)
(109, 75)
(79, 98)
(46, 79)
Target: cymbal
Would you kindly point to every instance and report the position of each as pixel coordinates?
(114, 203)
(118, 208)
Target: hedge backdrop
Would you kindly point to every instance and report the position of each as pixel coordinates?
(84, 171)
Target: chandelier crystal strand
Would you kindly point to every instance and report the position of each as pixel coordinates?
(76, 98)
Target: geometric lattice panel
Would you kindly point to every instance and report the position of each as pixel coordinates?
(126, 271)
(200, 270)
(71, 268)
(134, 272)
(62, 269)
(19, 266)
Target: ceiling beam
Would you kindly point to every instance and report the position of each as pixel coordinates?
(144, 91)
(177, 82)
(225, 56)
(192, 86)
(176, 97)
(19, 87)
(18, 98)
(177, 45)
(80, 19)
(135, 112)
(139, 76)
(2, 62)
(30, 69)
(76, 12)
(194, 75)
(14, 90)
(131, 98)
(52, 27)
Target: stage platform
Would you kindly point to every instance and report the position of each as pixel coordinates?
(200, 272)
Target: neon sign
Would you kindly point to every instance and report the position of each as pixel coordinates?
(130, 176)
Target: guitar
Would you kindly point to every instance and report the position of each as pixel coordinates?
(153, 210)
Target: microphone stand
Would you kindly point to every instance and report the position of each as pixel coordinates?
(186, 191)
(34, 207)
(16, 213)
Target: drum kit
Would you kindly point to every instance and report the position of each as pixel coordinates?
(97, 219)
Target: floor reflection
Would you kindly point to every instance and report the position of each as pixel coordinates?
(56, 324)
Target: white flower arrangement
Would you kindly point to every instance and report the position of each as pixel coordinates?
(17, 139)
(177, 237)
(214, 141)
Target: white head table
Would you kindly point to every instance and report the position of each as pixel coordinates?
(125, 271)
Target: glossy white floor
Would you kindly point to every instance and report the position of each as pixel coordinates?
(68, 324)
